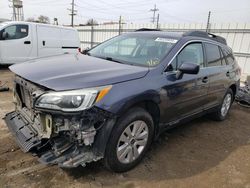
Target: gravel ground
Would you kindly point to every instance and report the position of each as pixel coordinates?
(202, 153)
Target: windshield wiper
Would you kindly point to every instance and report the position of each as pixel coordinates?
(111, 59)
(116, 60)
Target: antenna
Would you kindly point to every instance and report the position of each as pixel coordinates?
(208, 22)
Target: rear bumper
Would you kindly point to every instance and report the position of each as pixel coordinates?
(25, 136)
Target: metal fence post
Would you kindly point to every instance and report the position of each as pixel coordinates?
(92, 36)
(120, 25)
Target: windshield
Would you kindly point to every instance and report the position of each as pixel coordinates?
(134, 49)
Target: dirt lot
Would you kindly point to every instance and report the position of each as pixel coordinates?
(202, 153)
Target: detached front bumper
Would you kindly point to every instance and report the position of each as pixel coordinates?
(59, 149)
(25, 136)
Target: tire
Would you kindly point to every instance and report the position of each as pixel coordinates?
(133, 150)
(220, 114)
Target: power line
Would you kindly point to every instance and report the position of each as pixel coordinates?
(109, 7)
(106, 11)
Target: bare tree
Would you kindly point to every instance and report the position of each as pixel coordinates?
(91, 22)
(31, 19)
(43, 19)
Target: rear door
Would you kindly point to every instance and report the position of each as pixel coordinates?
(218, 74)
(70, 40)
(49, 40)
(17, 46)
(186, 96)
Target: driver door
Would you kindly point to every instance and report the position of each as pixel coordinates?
(185, 96)
(17, 45)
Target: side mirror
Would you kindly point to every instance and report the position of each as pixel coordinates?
(85, 51)
(5, 35)
(187, 68)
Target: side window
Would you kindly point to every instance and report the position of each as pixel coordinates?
(228, 56)
(192, 53)
(213, 55)
(16, 32)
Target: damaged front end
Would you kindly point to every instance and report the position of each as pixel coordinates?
(68, 139)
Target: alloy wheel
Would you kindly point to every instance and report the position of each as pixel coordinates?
(226, 104)
(132, 142)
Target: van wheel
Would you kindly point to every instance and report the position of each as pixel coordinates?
(129, 140)
(225, 106)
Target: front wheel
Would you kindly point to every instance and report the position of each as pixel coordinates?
(225, 106)
(130, 139)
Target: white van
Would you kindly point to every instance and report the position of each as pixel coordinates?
(23, 41)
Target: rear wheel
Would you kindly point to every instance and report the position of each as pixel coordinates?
(225, 106)
(130, 139)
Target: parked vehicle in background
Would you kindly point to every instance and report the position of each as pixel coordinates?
(114, 101)
(23, 41)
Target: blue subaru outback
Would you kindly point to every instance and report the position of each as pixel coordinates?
(111, 102)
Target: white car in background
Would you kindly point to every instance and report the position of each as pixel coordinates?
(23, 41)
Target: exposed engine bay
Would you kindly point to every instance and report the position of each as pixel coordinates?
(67, 139)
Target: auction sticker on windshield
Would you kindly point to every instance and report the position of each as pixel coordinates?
(166, 40)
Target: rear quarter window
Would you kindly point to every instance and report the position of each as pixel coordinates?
(228, 56)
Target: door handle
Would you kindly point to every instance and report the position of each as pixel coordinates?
(205, 79)
(43, 42)
(27, 42)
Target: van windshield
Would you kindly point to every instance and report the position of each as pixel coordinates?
(136, 49)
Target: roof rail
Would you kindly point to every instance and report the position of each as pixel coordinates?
(206, 35)
(147, 29)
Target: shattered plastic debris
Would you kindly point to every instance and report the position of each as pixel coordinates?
(2, 88)
(243, 96)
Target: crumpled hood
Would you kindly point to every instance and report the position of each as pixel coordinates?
(71, 71)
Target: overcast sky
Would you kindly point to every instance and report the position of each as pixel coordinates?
(174, 11)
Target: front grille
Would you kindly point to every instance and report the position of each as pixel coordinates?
(24, 96)
(27, 92)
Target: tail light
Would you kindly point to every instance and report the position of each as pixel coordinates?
(79, 50)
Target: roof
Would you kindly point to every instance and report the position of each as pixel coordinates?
(175, 35)
(34, 23)
(178, 35)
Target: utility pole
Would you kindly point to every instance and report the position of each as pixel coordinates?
(154, 10)
(73, 12)
(157, 23)
(208, 22)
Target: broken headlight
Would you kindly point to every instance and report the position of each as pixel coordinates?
(75, 100)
